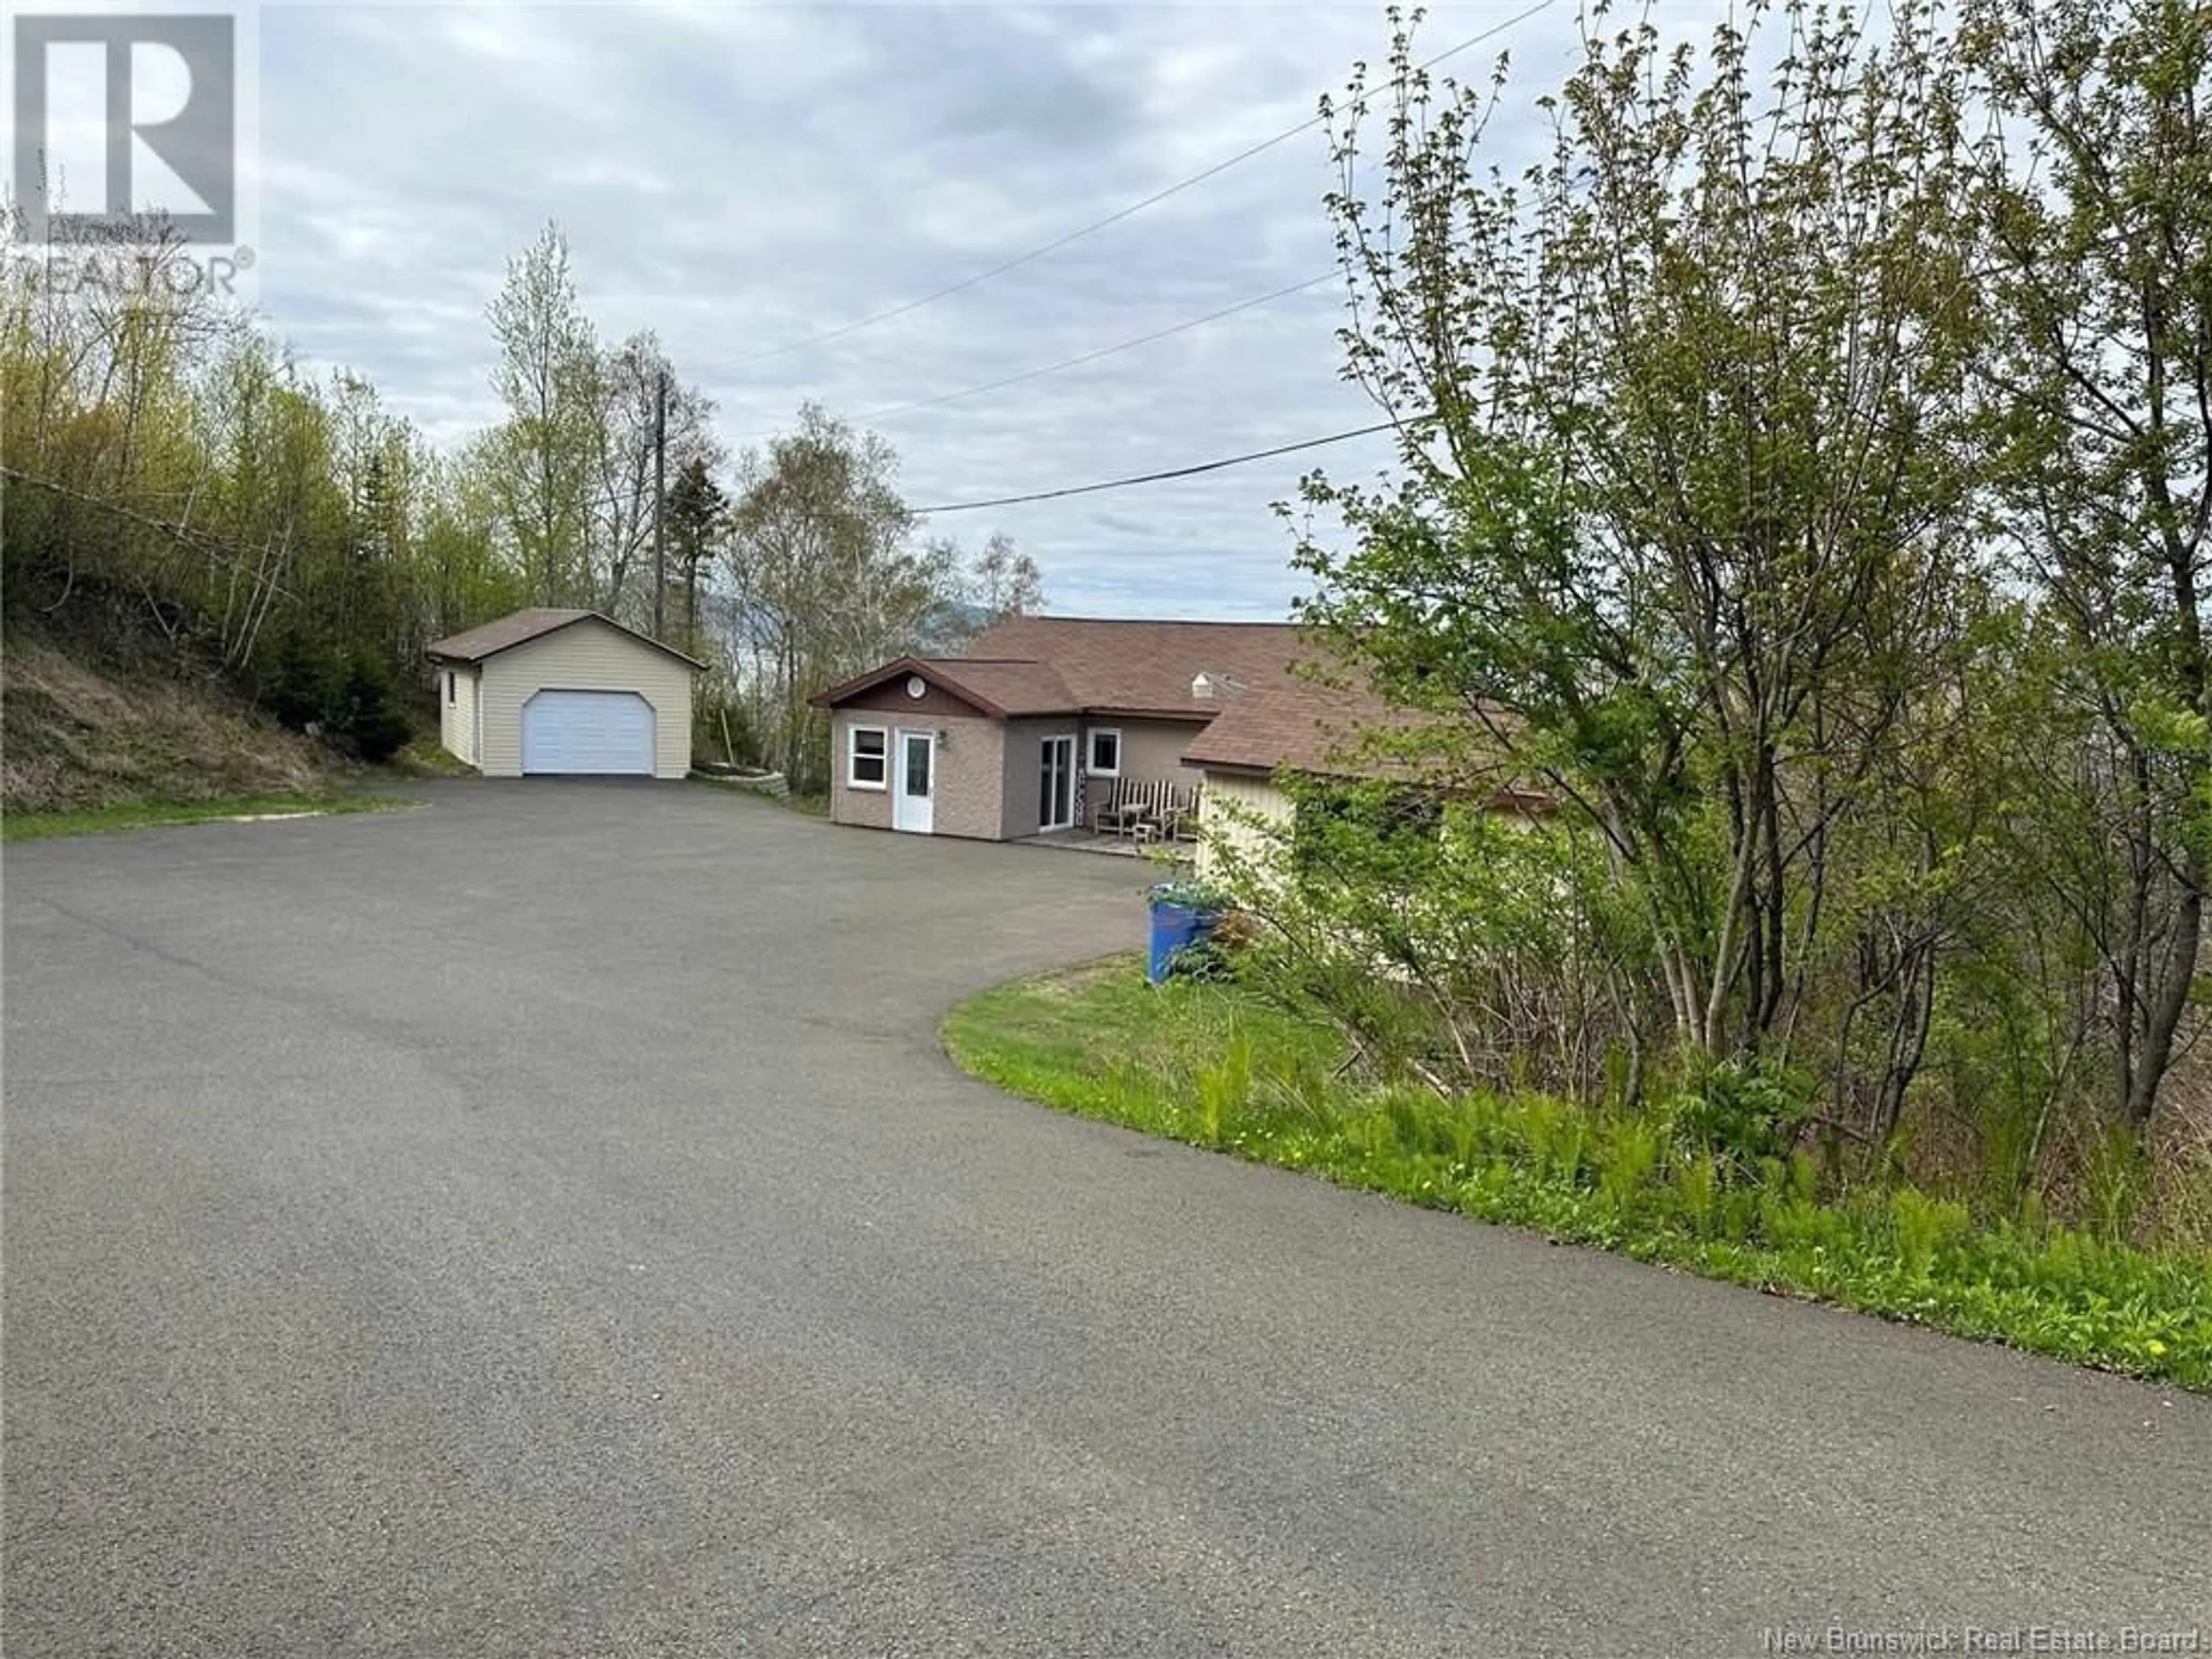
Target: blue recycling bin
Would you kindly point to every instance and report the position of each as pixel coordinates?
(1176, 928)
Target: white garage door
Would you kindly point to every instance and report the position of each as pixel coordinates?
(588, 731)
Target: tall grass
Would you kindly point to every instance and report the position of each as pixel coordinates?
(1206, 1064)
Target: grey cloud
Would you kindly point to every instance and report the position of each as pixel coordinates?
(739, 178)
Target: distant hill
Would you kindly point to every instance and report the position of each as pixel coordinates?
(946, 634)
(953, 626)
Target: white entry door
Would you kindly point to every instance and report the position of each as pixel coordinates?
(590, 732)
(913, 807)
(1056, 784)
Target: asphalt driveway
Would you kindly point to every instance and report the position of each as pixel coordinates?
(542, 1225)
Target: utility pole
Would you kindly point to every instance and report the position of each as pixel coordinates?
(660, 499)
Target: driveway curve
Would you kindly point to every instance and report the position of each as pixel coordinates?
(543, 1224)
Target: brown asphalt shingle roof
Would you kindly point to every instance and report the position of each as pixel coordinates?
(1318, 729)
(1069, 665)
(1007, 690)
(1014, 688)
(490, 639)
(1299, 725)
(1131, 667)
(1264, 713)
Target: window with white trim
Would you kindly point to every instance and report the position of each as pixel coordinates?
(868, 757)
(1104, 752)
(449, 686)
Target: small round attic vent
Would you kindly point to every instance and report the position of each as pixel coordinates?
(916, 685)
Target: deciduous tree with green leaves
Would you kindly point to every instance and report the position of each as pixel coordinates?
(549, 470)
(2095, 193)
(825, 576)
(1683, 526)
(1005, 580)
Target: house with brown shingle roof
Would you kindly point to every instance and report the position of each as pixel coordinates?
(1046, 722)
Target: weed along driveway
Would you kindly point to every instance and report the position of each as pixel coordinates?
(543, 1224)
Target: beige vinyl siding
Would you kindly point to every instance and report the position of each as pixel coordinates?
(1251, 815)
(585, 656)
(457, 715)
(1237, 812)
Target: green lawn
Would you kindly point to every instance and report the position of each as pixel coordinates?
(1100, 1041)
(145, 815)
(1212, 1066)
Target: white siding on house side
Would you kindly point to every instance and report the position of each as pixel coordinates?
(1253, 818)
(1235, 813)
(585, 656)
(457, 714)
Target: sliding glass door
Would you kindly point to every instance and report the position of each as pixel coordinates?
(1056, 784)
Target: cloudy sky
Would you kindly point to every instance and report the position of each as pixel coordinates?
(742, 177)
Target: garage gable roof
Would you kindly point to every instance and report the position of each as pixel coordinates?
(490, 639)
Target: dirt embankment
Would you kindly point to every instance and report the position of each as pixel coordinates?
(88, 720)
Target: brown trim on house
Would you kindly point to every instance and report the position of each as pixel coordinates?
(883, 674)
(1188, 717)
(943, 676)
(1004, 688)
(891, 698)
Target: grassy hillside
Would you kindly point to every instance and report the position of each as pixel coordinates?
(95, 716)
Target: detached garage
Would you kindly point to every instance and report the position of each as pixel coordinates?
(565, 693)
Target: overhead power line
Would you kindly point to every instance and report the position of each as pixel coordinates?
(1114, 218)
(1103, 351)
(1164, 477)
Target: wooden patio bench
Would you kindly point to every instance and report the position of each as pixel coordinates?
(1152, 809)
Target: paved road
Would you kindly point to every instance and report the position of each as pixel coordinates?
(542, 1225)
